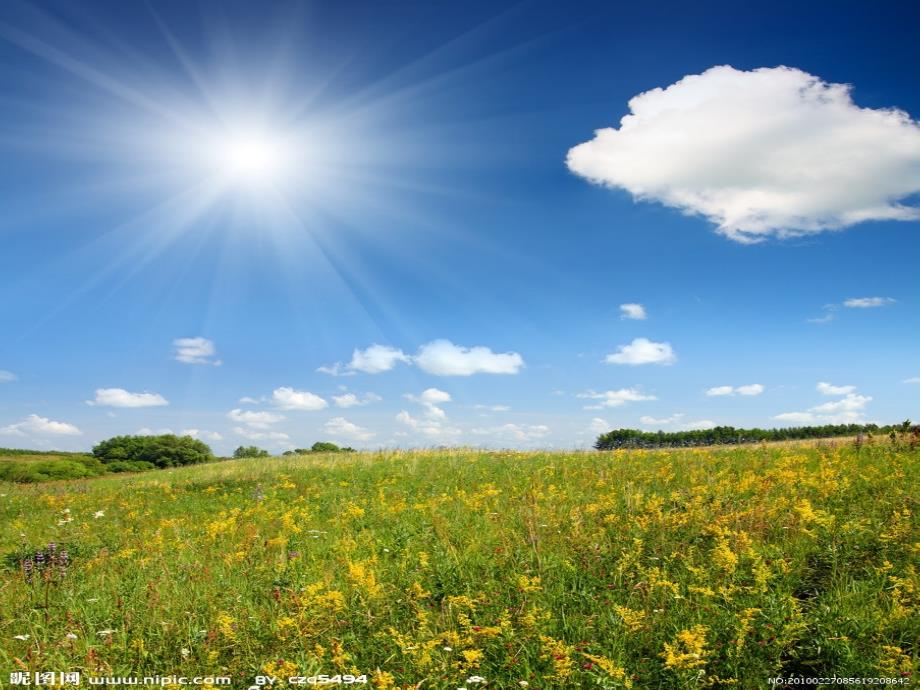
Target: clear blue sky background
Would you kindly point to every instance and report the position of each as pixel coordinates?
(438, 206)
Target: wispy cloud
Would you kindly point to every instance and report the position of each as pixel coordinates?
(196, 350)
(867, 302)
(750, 389)
(614, 398)
(119, 397)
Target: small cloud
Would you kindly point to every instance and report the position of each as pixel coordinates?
(119, 397)
(614, 398)
(352, 400)
(720, 390)
(375, 359)
(430, 398)
(666, 421)
(341, 427)
(246, 400)
(827, 318)
(7, 376)
(255, 419)
(443, 358)
(201, 433)
(147, 431)
(493, 408)
(276, 437)
(432, 428)
(642, 351)
(195, 351)
(796, 417)
(599, 426)
(633, 311)
(699, 425)
(912, 379)
(33, 425)
(828, 389)
(517, 432)
(867, 302)
(750, 390)
(287, 398)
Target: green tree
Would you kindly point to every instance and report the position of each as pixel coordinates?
(165, 450)
(325, 447)
(250, 452)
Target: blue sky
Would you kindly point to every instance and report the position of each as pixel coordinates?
(207, 206)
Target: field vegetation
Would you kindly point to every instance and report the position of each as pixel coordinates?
(447, 569)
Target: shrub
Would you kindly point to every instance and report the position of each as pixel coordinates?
(166, 450)
(47, 470)
(130, 466)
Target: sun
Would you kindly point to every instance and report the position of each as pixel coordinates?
(249, 159)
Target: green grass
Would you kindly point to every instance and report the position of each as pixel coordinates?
(666, 569)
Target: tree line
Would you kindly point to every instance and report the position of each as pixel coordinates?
(729, 435)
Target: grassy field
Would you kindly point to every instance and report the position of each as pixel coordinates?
(451, 569)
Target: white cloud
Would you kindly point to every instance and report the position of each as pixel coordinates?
(339, 426)
(352, 400)
(246, 400)
(7, 376)
(867, 302)
(147, 431)
(439, 357)
(33, 425)
(430, 396)
(254, 419)
(373, 360)
(517, 432)
(599, 426)
(277, 437)
(829, 315)
(633, 311)
(699, 425)
(912, 379)
(428, 427)
(796, 417)
(772, 151)
(848, 410)
(851, 402)
(195, 351)
(119, 397)
(614, 398)
(429, 399)
(493, 408)
(666, 421)
(828, 389)
(642, 351)
(749, 390)
(201, 433)
(443, 358)
(720, 390)
(287, 398)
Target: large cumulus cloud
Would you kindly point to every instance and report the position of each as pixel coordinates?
(767, 152)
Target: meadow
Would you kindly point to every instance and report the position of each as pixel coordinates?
(451, 569)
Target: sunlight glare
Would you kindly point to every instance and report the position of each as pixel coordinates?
(250, 159)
